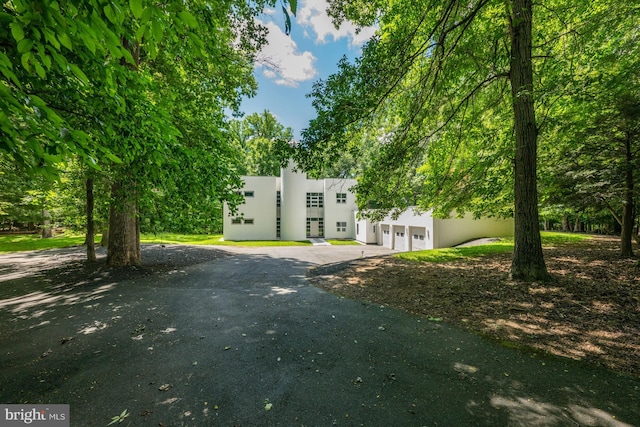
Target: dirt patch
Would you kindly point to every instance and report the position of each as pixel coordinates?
(590, 311)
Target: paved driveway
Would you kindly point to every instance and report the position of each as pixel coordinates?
(245, 341)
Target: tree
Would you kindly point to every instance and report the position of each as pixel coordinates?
(434, 73)
(102, 57)
(262, 142)
(593, 145)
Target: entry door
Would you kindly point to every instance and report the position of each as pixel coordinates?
(314, 231)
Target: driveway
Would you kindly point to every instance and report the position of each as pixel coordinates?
(243, 340)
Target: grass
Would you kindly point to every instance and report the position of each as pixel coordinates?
(214, 239)
(32, 242)
(343, 242)
(501, 246)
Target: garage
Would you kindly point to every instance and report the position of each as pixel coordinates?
(400, 238)
(418, 238)
(386, 236)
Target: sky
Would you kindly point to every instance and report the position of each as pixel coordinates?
(289, 65)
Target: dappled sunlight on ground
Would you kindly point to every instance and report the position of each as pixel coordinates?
(590, 311)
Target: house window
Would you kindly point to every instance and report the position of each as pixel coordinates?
(374, 229)
(341, 198)
(315, 200)
(237, 220)
(278, 227)
(421, 237)
(357, 228)
(341, 227)
(248, 194)
(278, 199)
(248, 221)
(415, 236)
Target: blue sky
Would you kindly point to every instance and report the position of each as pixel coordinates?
(288, 65)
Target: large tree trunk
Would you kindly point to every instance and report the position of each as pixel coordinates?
(628, 207)
(124, 228)
(90, 238)
(528, 260)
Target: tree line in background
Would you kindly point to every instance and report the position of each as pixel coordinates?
(118, 109)
(506, 108)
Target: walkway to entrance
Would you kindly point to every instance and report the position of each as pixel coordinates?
(319, 241)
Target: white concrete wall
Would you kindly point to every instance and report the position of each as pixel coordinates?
(366, 231)
(453, 231)
(339, 212)
(293, 219)
(261, 208)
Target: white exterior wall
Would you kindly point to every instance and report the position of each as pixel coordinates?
(366, 231)
(413, 232)
(293, 214)
(261, 208)
(335, 212)
(453, 231)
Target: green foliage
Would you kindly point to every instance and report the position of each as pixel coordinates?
(262, 143)
(592, 135)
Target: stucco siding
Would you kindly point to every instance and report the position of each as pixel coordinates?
(454, 231)
(256, 217)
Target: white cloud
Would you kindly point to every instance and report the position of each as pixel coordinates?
(281, 60)
(313, 14)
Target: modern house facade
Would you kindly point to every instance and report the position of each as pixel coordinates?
(293, 207)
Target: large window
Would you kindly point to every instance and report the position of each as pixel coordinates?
(341, 198)
(315, 200)
(341, 227)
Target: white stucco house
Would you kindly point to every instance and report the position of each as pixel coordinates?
(293, 207)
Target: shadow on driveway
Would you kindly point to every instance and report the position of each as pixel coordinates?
(241, 339)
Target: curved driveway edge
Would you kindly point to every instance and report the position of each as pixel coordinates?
(244, 340)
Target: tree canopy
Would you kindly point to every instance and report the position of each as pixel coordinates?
(457, 97)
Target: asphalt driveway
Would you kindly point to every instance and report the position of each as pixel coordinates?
(243, 340)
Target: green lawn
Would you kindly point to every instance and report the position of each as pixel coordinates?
(214, 239)
(343, 242)
(31, 242)
(501, 246)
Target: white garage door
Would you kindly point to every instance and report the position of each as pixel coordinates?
(418, 238)
(386, 236)
(400, 239)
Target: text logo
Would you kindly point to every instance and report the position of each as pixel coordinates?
(34, 415)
